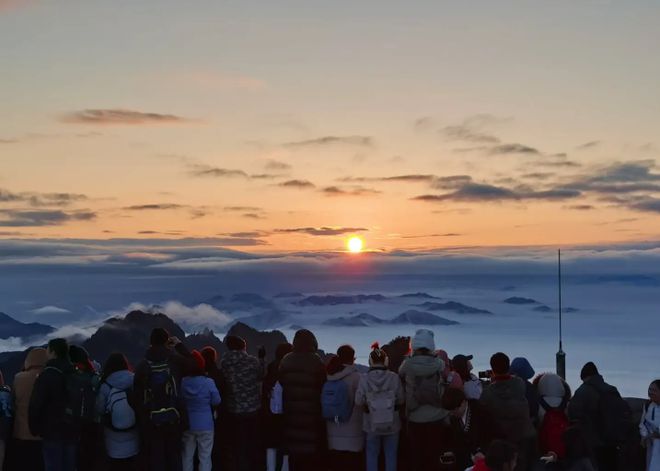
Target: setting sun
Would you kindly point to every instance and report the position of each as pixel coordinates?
(355, 244)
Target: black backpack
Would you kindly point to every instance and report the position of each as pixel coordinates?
(161, 396)
(80, 392)
(614, 419)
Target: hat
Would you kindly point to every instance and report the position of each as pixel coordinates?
(461, 359)
(520, 367)
(423, 338)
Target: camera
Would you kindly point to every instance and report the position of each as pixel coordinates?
(486, 374)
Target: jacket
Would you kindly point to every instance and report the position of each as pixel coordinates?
(46, 414)
(242, 375)
(466, 435)
(415, 366)
(23, 386)
(200, 397)
(379, 379)
(118, 445)
(583, 408)
(504, 399)
(302, 376)
(347, 436)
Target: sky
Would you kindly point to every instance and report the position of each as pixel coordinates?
(287, 127)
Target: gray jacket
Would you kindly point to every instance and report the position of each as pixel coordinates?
(379, 380)
(411, 368)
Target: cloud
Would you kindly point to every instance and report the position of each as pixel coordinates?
(538, 175)
(354, 191)
(265, 176)
(50, 310)
(8, 141)
(651, 205)
(201, 170)
(253, 216)
(121, 117)
(277, 165)
(26, 218)
(472, 192)
(424, 236)
(241, 208)
(245, 234)
(322, 231)
(41, 199)
(581, 207)
(514, 148)
(588, 145)
(446, 182)
(191, 318)
(620, 178)
(466, 134)
(154, 207)
(360, 141)
(300, 184)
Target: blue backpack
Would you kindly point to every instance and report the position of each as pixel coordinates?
(336, 403)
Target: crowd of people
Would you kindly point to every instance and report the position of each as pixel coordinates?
(181, 410)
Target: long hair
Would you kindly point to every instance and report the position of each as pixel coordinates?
(115, 362)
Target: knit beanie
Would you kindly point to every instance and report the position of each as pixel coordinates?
(423, 338)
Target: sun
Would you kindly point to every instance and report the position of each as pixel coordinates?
(355, 244)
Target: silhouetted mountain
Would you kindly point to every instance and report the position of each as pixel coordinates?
(418, 295)
(288, 295)
(10, 327)
(454, 306)
(129, 335)
(206, 338)
(542, 308)
(519, 300)
(332, 300)
(361, 320)
(415, 317)
(266, 320)
(255, 338)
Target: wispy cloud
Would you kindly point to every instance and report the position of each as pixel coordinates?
(513, 148)
(25, 218)
(41, 199)
(202, 170)
(360, 141)
(354, 191)
(277, 165)
(153, 207)
(121, 117)
(300, 184)
(241, 208)
(580, 207)
(322, 231)
(588, 145)
(474, 192)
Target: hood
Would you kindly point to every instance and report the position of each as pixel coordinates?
(551, 385)
(520, 367)
(347, 371)
(193, 385)
(122, 379)
(377, 378)
(160, 353)
(305, 342)
(36, 358)
(508, 388)
(425, 364)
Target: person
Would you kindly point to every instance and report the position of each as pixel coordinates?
(90, 433)
(505, 400)
(451, 378)
(471, 428)
(26, 445)
(220, 433)
(649, 427)
(521, 368)
(47, 416)
(553, 396)
(380, 394)
(156, 383)
(603, 415)
(201, 397)
(501, 456)
(273, 406)
(421, 375)
(472, 386)
(6, 417)
(115, 404)
(242, 376)
(577, 455)
(345, 439)
(302, 376)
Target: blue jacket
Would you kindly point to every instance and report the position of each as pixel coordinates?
(201, 397)
(118, 445)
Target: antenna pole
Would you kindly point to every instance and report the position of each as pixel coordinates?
(561, 356)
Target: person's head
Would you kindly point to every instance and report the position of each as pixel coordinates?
(588, 370)
(305, 342)
(210, 355)
(333, 365)
(500, 364)
(80, 357)
(159, 337)
(423, 342)
(378, 357)
(454, 401)
(501, 456)
(462, 365)
(235, 343)
(199, 366)
(346, 354)
(58, 349)
(115, 362)
(283, 350)
(654, 391)
(521, 368)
